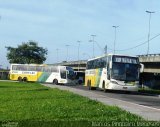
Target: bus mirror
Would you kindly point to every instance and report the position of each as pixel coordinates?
(110, 65)
(141, 68)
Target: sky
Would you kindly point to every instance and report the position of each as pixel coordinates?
(53, 24)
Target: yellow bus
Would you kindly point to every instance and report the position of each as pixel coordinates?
(114, 72)
(42, 73)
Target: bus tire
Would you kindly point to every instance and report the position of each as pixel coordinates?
(25, 79)
(20, 79)
(88, 85)
(55, 81)
(79, 82)
(103, 86)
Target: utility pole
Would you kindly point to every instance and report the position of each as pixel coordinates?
(78, 53)
(150, 12)
(93, 36)
(115, 34)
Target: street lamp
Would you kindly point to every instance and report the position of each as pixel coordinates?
(78, 53)
(115, 37)
(93, 42)
(67, 52)
(150, 12)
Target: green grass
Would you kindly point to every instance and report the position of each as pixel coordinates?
(34, 104)
(149, 91)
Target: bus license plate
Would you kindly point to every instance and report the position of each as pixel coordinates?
(124, 87)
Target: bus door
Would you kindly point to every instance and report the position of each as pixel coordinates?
(63, 73)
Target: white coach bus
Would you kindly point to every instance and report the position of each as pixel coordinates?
(42, 73)
(113, 72)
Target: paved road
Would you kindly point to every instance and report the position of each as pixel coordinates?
(134, 97)
(147, 112)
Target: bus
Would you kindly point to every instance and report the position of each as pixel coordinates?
(113, 72)
(80, 76)
(42, 73)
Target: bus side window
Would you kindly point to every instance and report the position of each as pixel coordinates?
(104, 61)
(89, 64)
(63, 73)
(108, 71)
(95, 62)
(22, 67)
(46, 69)
(14, 67)
(31, 68)
(38, 68)
(54, 69)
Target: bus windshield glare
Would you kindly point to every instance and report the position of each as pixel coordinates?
(125, 71)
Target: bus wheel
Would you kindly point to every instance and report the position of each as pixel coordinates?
(25, 79)
(103, 85)
(55, 81)
(88, 85)
(20, 79)
(79, 82)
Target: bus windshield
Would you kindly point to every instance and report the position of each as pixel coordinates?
(125, 71)
(70, 73)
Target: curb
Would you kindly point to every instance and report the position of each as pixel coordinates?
(149, 94)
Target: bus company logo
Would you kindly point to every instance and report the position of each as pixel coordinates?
(29, 72)
(14, 72)
(92, 72)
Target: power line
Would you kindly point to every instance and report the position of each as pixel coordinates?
(136, 45)
(99, 46)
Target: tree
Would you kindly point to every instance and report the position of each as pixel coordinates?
(27, 53)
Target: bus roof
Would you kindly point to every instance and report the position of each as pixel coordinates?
(38, 65)
(110, 54)
(29, 64)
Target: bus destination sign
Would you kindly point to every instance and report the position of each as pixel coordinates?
(123, 59)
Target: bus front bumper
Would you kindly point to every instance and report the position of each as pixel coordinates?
(113, 86)
(67, 82)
